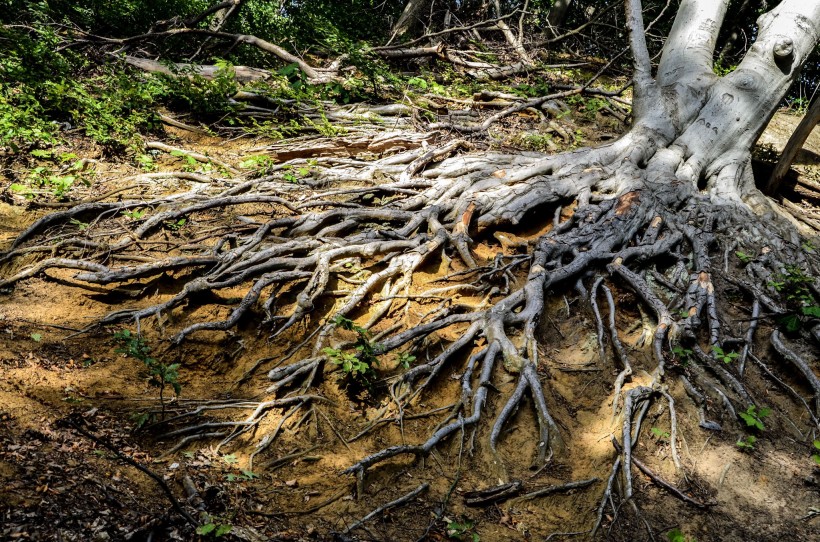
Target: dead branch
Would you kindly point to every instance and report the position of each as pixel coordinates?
(243, 74)
(254, 41)
(404, 499)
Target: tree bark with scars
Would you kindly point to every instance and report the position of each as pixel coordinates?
(678, 185)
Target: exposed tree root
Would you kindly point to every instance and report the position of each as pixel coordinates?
(351, 247)
(404, 499)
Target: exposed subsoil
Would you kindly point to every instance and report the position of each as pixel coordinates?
(60, 484)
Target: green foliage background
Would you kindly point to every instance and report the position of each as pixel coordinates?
(53, 79)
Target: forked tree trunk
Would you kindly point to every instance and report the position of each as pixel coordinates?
(692, 128)
(709, 124)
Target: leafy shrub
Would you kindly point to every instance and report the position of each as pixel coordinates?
(359, 363)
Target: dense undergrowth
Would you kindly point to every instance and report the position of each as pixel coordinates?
(59, 77)
(53, 80)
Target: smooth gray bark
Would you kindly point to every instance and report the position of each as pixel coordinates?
(707, 123)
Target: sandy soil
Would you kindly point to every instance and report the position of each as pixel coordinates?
(61, 484)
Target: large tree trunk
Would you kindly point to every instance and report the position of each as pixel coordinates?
(557, 16)
(409, 17)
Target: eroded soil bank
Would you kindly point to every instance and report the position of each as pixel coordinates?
(69, 403)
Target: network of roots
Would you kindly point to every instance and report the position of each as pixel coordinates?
(330, 266)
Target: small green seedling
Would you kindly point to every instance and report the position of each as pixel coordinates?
(230, 459)
(754, 417)
(405, 359)
(684, 355)
(747, 444)
(258, 164)
(675, 535)
(160, 374)
(816, 457)
(191, 162)
(36, 337)
(659, 433)
(743, 257)
(136, 214)
(82, 226)
(360, 364)
(246, 476)
(213, 529)
(146, 162)
(462, 530)
(724, 356)
(175, 225)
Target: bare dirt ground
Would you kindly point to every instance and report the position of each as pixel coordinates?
(69, 402)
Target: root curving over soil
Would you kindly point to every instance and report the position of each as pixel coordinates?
(339, 257)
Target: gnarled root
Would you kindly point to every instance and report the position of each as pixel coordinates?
(364, 230)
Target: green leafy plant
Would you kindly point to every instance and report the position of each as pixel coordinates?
(816, 457)
(245, 476)
(324, 127)
(230, 459)
(359, 363)
(213, 529)
(259, 165)
(725, 357)
(146, 162)
(175, 225)
(191, 163)
(36, 337)
(754, 417)
(795, 286)
(135, 214)
(160, 374)
(675, 535)
(743, 257)
(747, 444)
(269, 129)
(660, 434)
(462, 530)
(82, 226)
(405, 359)
(684, 355)
(418, 83)
(56, 176)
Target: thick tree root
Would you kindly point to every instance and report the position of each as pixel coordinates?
(355, 244)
